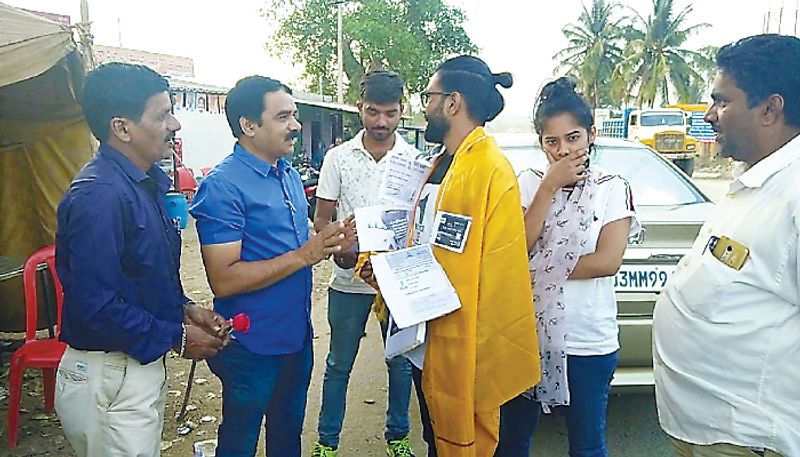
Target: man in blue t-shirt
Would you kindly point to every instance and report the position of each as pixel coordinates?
(252, 222)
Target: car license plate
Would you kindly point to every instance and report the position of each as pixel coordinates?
(642, 278)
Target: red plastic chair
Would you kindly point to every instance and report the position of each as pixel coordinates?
(44, 353)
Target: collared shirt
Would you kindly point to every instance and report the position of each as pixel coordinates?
(351, 176)
(245, 199)
(117, 255)
(726, 342)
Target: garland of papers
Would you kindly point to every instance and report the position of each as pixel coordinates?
(413, 284)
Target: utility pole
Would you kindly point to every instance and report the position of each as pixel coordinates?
(339, 82)
(780, 18)
(85, 11)
(85, 35)
(339, 57)
(769, 18)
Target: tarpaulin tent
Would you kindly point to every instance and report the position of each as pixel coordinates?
(44, 139)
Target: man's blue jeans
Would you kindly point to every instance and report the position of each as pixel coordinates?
(254, 386)
(589, 387)
(347, 316)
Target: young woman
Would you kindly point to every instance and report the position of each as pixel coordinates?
(577, 222)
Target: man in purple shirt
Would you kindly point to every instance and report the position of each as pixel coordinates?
(118, 256)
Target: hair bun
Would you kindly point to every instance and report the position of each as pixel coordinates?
(558, 88)
(566, 83)
(504, 79)
(561, 96)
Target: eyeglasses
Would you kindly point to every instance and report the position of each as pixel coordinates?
(425, 97)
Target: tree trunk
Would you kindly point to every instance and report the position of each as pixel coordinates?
(353, 69)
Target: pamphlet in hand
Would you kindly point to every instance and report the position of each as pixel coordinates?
(399, 341)
(382, 228)
(414, 285)
(402, 180)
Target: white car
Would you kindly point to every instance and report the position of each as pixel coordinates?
(671, 209)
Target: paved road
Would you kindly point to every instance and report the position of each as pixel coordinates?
(715, 189)
(632, 431)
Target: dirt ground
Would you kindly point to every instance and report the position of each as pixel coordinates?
(40, 433)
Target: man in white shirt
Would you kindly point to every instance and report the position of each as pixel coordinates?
(726, 329)
(350, 178)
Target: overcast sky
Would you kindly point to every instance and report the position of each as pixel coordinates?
(519, 36)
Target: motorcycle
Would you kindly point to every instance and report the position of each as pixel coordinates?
(311, 196)
(310, 177)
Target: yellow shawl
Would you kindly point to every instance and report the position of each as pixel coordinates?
(486, 353)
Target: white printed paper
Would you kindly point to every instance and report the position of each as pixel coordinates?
(399, 341)
(417, 355)
(383, 227)
(402, 180)
(414, 285)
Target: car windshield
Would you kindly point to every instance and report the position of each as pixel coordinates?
(654, 120)
(654, 182)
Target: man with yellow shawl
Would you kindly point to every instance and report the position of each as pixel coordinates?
(486, 353)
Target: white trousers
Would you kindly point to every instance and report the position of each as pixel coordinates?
(111, 405)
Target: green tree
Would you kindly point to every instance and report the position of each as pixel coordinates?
(410, 37)
(654, 60)
(699, 88)
(594, 50)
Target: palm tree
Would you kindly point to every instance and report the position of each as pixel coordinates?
(707, 69)
(594, 49)
(654, 60)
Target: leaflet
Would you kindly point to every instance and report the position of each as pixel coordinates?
(414, 285)
(383, 227)
(399, 341)
(402, 180)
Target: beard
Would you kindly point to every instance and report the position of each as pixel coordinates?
(437, 128)
(381, 134)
